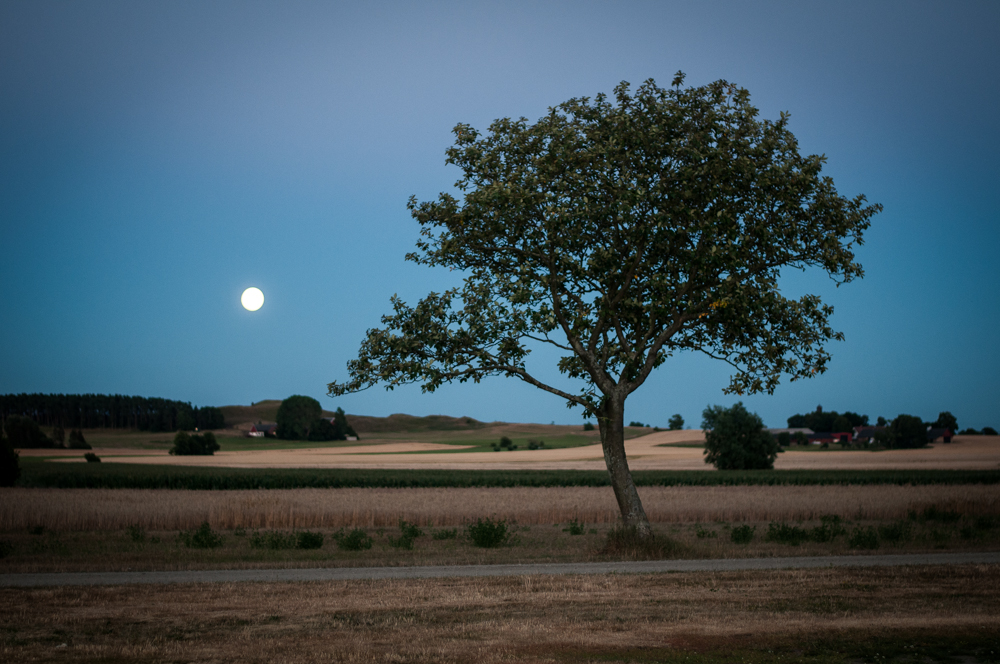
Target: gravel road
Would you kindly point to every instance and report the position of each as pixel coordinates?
(354, 573)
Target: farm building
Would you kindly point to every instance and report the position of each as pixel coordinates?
(261, 430)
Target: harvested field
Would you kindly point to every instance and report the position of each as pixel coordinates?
(653, 451)
(163, 509)
(858, 615)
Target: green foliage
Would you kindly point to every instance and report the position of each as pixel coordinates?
(488, 533)
(306, 539)
(785, 534)
(59, 435)
(829, 529)
(742, 534)
(827, 420)
(736, 439)
(10, 464)
(322, 429)
(676, 423)
(24, 433)
(934, 513)
(506, 443)
(863, 537)
(587, 426)
(272, 539)
(77, 441)
(296, 415)
(445, 534)
(704, 533)
(904, 432)
(356, 540)
(136, 533)
(202, 538)
(895, 532)
(408, 532)
(946, 420)
(575, 527)
(784, 439)
(989, 431)
(535, 444)
(186, 444)
(636, 424)
(92, 458)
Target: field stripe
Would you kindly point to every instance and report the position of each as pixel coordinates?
(368, 573)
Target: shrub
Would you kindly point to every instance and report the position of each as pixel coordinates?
(625, 542)
(742, 534)
(274, 539)
(10, 463)
(186, 444)
(202, 538)
(784, 439)
(6, 548)
(77, 441)
(829, 529)
(306, 539)
(506, 443)
(408, 533)
(895, 532)
(574, 528)
(989, 431)
(23, 433)
(785, 534)
(488, 533)
(736, 439)
(932, 513)
(356, 540)
(863, 537)
(92, 458)
(704, 533)
(446, 533)
(587, 426)
(136, 533)
(535, 444)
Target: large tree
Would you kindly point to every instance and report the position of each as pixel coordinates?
(622, 232)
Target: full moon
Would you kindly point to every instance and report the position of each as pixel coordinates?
(252, 299)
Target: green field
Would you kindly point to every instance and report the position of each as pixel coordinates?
(35, 472)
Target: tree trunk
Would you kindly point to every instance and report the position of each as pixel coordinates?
(611, 420)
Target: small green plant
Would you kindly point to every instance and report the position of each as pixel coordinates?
(742, 534)
(704, 533)
(829, 529)
(305, 539)
(574, 528)
(137, 533)
(445, 534)
(356, 540)
(273, 539)
(202, 538)
(240, 532)
(785, 534)
(410, 530)
(92, 458)
(895, 532)
(863, 537)
(488, 533)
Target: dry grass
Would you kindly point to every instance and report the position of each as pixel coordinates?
(861, 614)
(114, 509)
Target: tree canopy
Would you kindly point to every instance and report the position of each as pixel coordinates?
(296, 416)
(620, 232)
(735, 439)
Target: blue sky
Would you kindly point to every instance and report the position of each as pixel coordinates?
(158, 158)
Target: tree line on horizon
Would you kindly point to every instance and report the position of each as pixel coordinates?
(110, 411)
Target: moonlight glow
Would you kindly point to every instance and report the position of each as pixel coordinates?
(252, 299)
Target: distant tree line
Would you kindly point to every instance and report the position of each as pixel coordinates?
(110, 411)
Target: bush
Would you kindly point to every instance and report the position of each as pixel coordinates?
(488, 533)
(6, 548)
(989, 431)
(305, 539)
(895, 532)
(408, 533)
(704, 533)
(863, 537)
(136, 533)
(784, 439)
(587, 426)
(785, 534)
(446, 533)
(742, 534)
(574, 528)
(23, 433)
(736, 439)
(829, 529)
(274, 539)
(506, 443)
(535, 444)
(186, 444)
(906, 432)
(356, 540)
(202, 538)
(92, 458)
(296, 416)
(10, 463)
(77, 441)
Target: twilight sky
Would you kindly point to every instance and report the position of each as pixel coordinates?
(158, 158)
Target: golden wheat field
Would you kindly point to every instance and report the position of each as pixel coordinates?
(111, 509)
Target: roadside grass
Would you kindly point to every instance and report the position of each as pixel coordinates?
(485, 540)
(825, 616)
